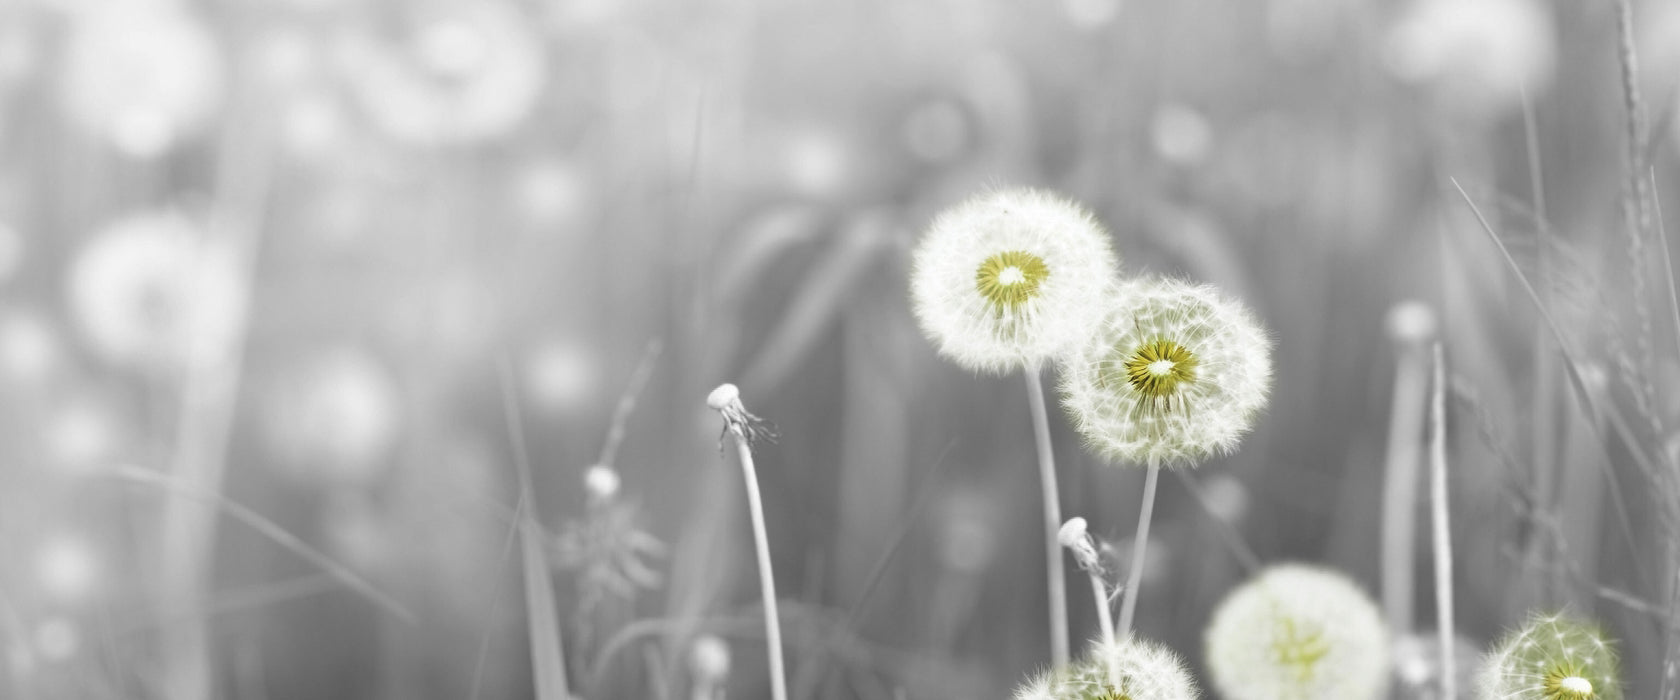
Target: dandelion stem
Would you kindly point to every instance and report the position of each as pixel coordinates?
(1140, 547)
(1052, 521)
(1443, 535)
(766, 578)
(1105, 622)
(1400, 485)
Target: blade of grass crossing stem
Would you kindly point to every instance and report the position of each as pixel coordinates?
(1576, 384)
(273, 532)
(548, 657)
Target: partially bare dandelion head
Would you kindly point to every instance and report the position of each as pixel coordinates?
(1075, 536)
(1010, 279)
(1297, 632)
(1552, 657)
(726, 400)
(1133, 669)
(1174, 374)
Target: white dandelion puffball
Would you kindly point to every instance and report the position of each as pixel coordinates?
(1173, 374)
(143, 76)
(1010, 278)
(151, 289)
(1297, 632)
(1144, 671)
(471, 72)
(1478, 54)
(334, 418)
(1551, 658)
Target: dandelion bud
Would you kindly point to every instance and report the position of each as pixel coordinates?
(1551, 658)
(1297, 632)
(1075, 537)
(602, 482)
(1410, 322)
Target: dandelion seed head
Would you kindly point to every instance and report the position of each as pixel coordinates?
(1551, 657)
(1010, 278)
(1297, 631)
(1173, 374)
(1145, 671)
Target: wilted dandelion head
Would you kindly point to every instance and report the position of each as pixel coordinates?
(1551, 658)
(1145, 671)
(1297, 632)
(1174, 374)
(1010, 278)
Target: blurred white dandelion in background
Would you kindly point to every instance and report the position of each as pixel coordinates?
(1479, 55)
(82, 434)
(334, 417)
(29, 345)
(58, 639)
(142, 75)
(67, 567)
(1182, 134)
(562, 375)
(1298, 632)
(466, 73)
(147, 289)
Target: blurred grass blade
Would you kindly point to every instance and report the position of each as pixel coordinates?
(548, 657)
(1576, 384)
(274, 532)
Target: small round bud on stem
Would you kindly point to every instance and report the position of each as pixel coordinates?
(602, 482)
(1410, 322)
(709, 659)
(723, 397)
(1076, 537)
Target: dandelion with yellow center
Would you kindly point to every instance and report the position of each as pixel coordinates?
(1010, 279)
(1551, 658)
(1127, 670)
(1298, 633)
(1174, 375)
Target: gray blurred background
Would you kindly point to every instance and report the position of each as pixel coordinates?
(271, 273)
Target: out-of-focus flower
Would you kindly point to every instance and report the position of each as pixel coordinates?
(1552, 657)
(1479, 55)
(334, 417)
(1182, 135)
(1297, 632)
(605, 549)
(1011, 279)
(57, 639)
(151, 289)
(298, 76)
(708, 661)
(1173, 375)
(1133, 669)
(1091, 14)
(1417, 662)
(551, 192)
(67, 567)
(82, 434)
(467, 72)
(29, 346)
(143, 75)
(563, 375)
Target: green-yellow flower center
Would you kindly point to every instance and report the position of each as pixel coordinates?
(1567, 684)
(1158, 367)
(1008, 279)
(1297, 649)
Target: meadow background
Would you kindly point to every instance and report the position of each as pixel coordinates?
(304, 254)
